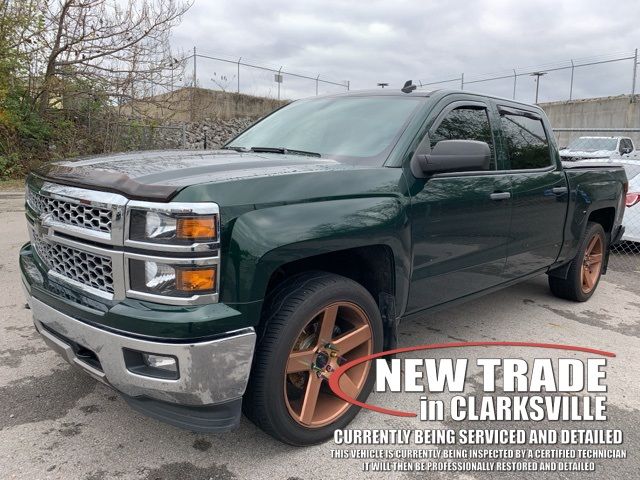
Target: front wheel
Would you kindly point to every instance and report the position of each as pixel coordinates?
(586, 267)
(314, 323)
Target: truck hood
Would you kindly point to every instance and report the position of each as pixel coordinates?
(160, 175)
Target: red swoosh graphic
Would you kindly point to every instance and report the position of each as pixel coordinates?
(334, 380)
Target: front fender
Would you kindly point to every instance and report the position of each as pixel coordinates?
(263, 240)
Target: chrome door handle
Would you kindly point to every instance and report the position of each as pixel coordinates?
(559, 190)
(500, 196)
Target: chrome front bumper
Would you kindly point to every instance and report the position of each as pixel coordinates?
(211, 372)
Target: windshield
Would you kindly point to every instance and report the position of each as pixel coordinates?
(357, 128)
(592, 144)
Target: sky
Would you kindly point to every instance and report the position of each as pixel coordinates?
(368, 42)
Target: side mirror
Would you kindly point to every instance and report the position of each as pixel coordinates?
(452, 156)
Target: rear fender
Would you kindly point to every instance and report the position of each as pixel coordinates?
(590, 191)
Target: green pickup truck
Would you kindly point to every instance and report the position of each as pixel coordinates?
(201, 284)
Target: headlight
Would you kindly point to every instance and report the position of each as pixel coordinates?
(162, 228)
(176, 225)
(190, 274)
(172, 280)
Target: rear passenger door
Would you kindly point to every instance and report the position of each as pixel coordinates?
(539, 195)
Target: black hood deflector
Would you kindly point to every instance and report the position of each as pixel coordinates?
(107, 181)
(160, 175)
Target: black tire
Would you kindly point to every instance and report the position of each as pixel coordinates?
(287, 311)
(571, 287)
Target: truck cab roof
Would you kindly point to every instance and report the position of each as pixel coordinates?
(436, 93)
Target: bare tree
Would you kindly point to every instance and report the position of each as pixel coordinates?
(121, 47)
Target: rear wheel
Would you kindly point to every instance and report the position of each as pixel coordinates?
(314, 323)
(586, 268)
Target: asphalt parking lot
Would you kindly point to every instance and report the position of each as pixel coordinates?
(57, 423)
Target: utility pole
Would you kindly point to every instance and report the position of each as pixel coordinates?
(173, 66)
(279, 80)
(193, 89)
(538, 75)
(239, 74)
(515, 79)
(573, 67)
(635, 71)
(462, 81)
(194, 67)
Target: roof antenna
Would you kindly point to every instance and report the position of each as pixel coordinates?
(408, 87)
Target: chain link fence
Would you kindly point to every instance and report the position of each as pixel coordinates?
(596, 76)
(250, 77)
(137, 136)
(118, 133)
(625, 256)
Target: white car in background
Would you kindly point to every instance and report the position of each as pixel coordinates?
(631, 220)
(591, 148)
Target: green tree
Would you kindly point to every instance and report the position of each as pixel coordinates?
(66, 66)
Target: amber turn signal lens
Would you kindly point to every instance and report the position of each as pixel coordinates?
(197, 280)
(194, 228)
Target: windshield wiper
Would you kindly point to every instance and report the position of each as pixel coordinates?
(237, 149)
(284, 151)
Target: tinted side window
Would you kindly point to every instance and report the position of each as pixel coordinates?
(526, 142)
(465, 123)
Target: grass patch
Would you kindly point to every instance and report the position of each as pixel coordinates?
(9, 185)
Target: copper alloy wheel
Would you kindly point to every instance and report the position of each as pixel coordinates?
(591, 264)
(337, 334)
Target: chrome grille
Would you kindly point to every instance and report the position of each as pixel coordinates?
(82, 267)
(69, 213)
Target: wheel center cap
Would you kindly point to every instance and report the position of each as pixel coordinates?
(326, 361)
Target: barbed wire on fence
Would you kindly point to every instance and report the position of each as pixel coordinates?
(279, 73)
(539, 70)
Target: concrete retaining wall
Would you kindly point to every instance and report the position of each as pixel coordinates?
(606, 112)
(199, 104)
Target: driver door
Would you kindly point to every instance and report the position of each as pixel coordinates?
(460, 220)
